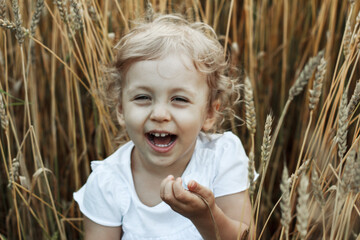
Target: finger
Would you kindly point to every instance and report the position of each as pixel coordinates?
(164, 183)
(167, 194)
(197, 188)
(180, 193)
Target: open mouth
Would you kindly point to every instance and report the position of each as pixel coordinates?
(161, 140)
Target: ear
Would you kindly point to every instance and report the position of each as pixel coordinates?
(211, 117)
(120, 115)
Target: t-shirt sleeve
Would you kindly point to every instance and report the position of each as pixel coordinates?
(103, 199)
(232, 171)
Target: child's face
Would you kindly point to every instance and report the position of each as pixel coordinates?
(164, 107)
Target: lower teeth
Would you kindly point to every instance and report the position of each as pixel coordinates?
(163, 145)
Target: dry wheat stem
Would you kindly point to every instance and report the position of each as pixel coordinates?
(301, 208)
(285, 202)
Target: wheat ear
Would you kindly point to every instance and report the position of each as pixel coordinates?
(4, 23)
(315, 92)
(36, 16)
(347, 182)
(78, 22)
(14, 172)
(266, 143)
(285, 202)
(19, 33)
(251, 169)
(62, 11)
(302, 211)
(149, 12)
(347, 39)
(3, 116)
(2, 9)
(304, 76)
(354, 98)
(357, 174)
(249, 107)
(342, 130)
(316, 186)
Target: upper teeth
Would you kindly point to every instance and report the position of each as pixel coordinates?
(160, 134)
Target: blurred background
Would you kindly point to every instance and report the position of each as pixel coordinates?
(290, 54)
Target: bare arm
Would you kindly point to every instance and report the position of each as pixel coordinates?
(94, 231)
(231, 213)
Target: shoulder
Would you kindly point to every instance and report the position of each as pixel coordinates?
(226, 141)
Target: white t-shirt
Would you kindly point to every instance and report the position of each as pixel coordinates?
(109, 198)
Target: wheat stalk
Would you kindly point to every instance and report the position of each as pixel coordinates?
(354, 98)
(249, 107)
(301, 208)
(342, 130)
(315, 92)
(285, 202)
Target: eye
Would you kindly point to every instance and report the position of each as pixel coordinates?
(142, 98)
(180, 99)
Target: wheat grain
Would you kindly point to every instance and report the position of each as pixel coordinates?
(301, 207)
(316, 186)
(302, 168)
(36, 16)
(285, 201)
(266, 144)
(304, 76)
(250, 114)
(19, 33)
(354, 98)
(2, 9)
(3, 116)
(342, 130)
(316, 91)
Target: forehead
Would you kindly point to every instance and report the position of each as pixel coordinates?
(174, 66)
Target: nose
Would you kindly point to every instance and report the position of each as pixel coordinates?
(160, 113)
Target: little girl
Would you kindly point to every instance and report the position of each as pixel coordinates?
(174, 179)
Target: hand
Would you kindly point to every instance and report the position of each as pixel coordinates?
(188, 203)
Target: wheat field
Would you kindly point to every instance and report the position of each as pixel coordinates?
(299, 65)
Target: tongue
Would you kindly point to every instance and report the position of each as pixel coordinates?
(162, 140)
